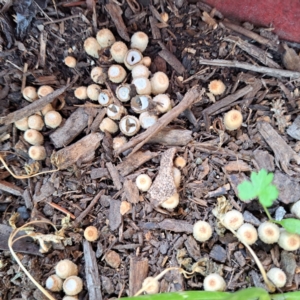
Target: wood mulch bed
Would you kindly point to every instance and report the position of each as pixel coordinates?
(194, 46)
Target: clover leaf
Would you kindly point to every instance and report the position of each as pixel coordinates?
(260, 186)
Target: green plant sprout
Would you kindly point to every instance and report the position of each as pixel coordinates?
(245, 294)
(261, 187)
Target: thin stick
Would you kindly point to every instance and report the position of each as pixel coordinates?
(23, 176)
(190, 97)
(63, 210)
(257, 261)
(251, 34)
(160, 275)
(62, 20)
(88, 209)
(259, 69)
(10, 244)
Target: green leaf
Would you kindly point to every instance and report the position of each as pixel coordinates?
(246, 191)
(260, 186)
(291, 225)
(250, 294)
(189, 295)
(268, 195)
(286, 296)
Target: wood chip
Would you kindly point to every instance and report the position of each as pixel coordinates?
(113, 259)
(115, 13)
(131, 192)
(176, 225)
(193, 248)
(163, 186)
(218, 253)
(288, 265)
(283, 152)
(79, 152)
(44, 192)
(289, 189)
(138, 271)
(264, 160)
(237, 166)
(10, 188)
(97, 173)
(172, 137)
(172, 60)
(114, 217)
(114, 175)
(134, 161)
(24, 245)
(125, 207)
(91, 272)
(74, 125)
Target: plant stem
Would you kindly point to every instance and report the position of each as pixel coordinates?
(269, 285)
(267, 213)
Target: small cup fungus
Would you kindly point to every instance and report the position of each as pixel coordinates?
(268, 232)
(81, 93)
(123, 92)
(37, 152)
(44, 90)
(140, 71)
(151, 285)
(98, 75)
(118, 142)
(108, 125)
(139, 40)
(147, 119)
(91, 233)
(52, 119)
(216, 87)
(72, 285)
(115, 112)
(29, 93)
(233, 219)
(66, 268)
(33, 137)
(233, 120)
(163, 103)
(289, 241)
(179, 162)
(159, 83)
(105, 98)
(296, 209)
(171, 202)
(247, 233)
(105, 38)
(70, 61)
(22, 124)
(93, 91)
(132, 58)
(202, 231)
(214, 283)
(142, 85)
(54, 283)
(277, 276)
(116, 73)
(35, 122)
(118, 51)
(143, 182)
(129, 125)
(140, 103)
(92, 47)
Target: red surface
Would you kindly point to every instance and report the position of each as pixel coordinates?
(284, 16)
